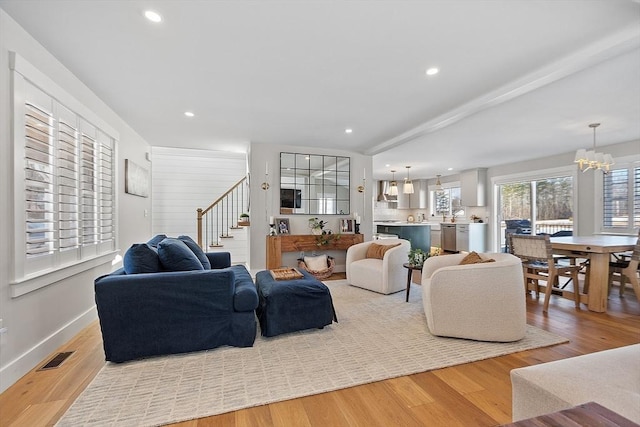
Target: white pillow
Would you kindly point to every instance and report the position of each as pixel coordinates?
(316, 263)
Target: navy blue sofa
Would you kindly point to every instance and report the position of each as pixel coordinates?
(167, 312)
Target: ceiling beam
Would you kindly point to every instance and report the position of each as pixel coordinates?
(617, 44)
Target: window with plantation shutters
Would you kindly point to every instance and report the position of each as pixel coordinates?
(621, 199)
(64, 169)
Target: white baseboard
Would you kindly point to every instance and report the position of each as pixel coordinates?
(32, 358)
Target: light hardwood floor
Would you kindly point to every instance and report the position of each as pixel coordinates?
(473, 394)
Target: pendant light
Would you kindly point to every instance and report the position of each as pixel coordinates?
(408, 184)
(438, 183)
(591, 159)
(393, 185)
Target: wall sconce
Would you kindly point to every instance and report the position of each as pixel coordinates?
(265, 184)
(361, 188)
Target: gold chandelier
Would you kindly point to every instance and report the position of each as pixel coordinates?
(590, 159)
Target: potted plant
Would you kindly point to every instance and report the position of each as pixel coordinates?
(326, 237)
(244, 217)
(317, 226)
(417, 257)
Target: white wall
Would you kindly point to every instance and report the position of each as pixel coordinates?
(39, 322)
(185, 180)
(266, 203)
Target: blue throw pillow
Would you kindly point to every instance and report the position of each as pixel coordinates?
(197, 251)
(141, 258)
(175, 255)
(156, 239)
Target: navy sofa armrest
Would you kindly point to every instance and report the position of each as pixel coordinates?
(219, 259)
(246, 294)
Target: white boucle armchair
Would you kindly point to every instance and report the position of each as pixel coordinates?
(385, 275)
(483, 302)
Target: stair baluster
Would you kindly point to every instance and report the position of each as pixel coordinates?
(222, 216)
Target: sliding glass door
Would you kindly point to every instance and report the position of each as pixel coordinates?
(535, 206)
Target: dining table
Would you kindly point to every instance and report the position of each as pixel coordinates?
(598, 248)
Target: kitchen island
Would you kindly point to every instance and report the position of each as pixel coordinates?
(418, 233)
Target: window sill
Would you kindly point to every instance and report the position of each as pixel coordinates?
(46, 278)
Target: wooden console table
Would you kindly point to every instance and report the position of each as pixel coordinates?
(276, 245)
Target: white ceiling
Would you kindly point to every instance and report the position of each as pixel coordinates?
(519, 78)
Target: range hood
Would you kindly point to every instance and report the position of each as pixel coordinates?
(383, 192)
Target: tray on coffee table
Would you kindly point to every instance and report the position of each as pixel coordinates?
(288, 273)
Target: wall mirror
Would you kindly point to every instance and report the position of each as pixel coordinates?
(314, 184)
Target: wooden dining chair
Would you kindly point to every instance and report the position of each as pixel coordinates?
(626, 270)
(538, 263)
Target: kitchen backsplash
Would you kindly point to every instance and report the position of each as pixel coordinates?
(384, 213)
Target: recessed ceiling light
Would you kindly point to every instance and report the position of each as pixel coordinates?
(152, 16)
(450, 169)
(348, 130)
(387, 165)
(432, 71)
(189, 114)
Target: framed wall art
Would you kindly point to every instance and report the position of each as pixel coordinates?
(136, 179)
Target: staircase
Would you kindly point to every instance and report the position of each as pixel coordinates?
(220, 227)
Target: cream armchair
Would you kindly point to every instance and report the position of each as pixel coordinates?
(483, 302)
(384, 275)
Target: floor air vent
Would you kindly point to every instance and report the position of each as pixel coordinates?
(56, 361)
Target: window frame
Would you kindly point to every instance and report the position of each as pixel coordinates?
(533, 175)
(448, 186)
(630, 163)
(31, 273)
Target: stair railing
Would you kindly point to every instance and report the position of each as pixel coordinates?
(219, 217)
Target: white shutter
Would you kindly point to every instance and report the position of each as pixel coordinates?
(88, 185)
(616, 199)
(39, 180)
(636, 197)
(106, 184)
(67, 172)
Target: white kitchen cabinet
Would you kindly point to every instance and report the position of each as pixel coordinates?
(471, 237)
(422, 195)
(473, 187)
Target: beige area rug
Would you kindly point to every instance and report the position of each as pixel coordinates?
(377, 337)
